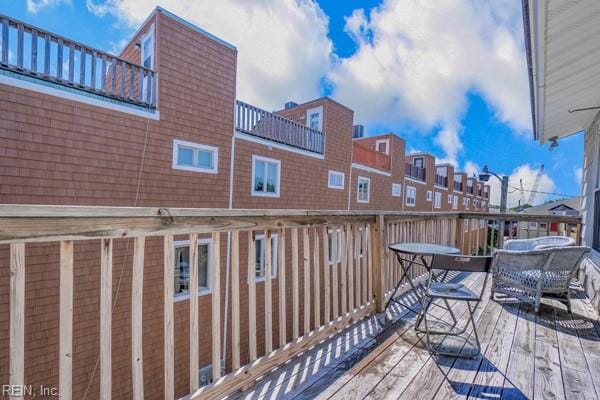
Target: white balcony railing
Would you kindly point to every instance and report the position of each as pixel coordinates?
(267, 125)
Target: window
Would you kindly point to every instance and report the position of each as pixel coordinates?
(411, 196)
(483, 204)
(455, 202)
(147, 56)
(265, 176)
(382, 146)
(419, 162)
(449, 199)
(338, 249)
(429, 195)
(363, 189)
(260, 256)
(195, 157)
(438, 200)
(481, 223)
(335, 180)
(396, 189)
(314, 118)
(182, 267)
(468, 202)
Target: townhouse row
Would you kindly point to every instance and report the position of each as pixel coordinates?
(160, 126)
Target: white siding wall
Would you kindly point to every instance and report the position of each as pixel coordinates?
(590, 268)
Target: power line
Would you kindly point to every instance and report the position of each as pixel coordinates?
(538, 191)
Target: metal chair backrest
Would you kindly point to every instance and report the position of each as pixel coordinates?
(462, 263)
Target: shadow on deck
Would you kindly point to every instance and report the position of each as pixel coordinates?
(550, 355)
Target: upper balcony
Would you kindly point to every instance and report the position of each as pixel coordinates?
(458, 186)
(60, 62)
(441, 180)
(370, 157)
(469, 189)
(414, 172)
(267, 125)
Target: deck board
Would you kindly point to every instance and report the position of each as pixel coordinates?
(552, 355)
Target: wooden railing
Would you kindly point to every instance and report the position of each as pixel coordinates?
(267, 125)
(364, 155)
(441, 180)
(412, 171)
(34, 52)
(331, 269)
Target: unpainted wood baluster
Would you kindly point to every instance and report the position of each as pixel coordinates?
(71, 63)
(235, 300)
(193, 288)
(316, 278)
(17, 315)
(106, 266)
(137, 287)
(307, 295)
(295, 286)
(168, 318)
(34, 51)
(65, 371)
(268, 293)
(216, 305)
(326, 270)
(59, 59)
(282, 288)
(334, 270)
(252, 296)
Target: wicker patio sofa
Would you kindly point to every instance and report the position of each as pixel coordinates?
(530, 274)
(538, 243)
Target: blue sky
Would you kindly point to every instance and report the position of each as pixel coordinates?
(450, 79)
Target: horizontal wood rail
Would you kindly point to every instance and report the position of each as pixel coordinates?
(330, 269)
(267, 125)
(28, 50)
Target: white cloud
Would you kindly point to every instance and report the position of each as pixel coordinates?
(528, 175)
(283, 48)
(471, 168)
(418, 60)
(578, 173)
(448, 139)
(33, 6)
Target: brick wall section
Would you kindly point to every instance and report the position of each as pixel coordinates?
(380, 196)
(56, 151)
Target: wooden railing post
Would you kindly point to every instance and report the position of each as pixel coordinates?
(458, 233)
(378, 255)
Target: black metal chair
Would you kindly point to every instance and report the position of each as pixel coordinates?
(454, 291)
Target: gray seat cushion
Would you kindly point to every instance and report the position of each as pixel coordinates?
(454, 291)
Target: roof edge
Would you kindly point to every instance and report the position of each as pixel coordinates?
(528, 57)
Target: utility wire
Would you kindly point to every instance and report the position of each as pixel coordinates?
(538, 191)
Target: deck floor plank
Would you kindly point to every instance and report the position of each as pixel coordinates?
(433, 374)
(552, 355)
(548, 381)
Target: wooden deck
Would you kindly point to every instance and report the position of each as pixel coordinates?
(553, 355)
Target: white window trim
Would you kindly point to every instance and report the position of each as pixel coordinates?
(195, 146)
(277, 188)
(331, 172)
(387, 145)
(429, 196)
(148, 35)
(399, 186)
(449, 199)
(363, 178)
(455, 202)
(436, 203)
(274, 261)
(414, 190)
(201, 292)
(319, 110)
